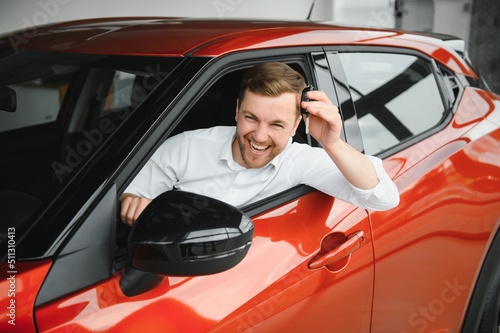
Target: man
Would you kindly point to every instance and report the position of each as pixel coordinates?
(257, 158)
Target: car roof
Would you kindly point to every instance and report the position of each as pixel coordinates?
(160, 36)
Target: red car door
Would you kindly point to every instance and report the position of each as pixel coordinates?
(428, 250)
(310, 268)
(20, 281)
(273, 288)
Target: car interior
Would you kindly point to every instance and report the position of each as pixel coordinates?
(216, 107)
(43, 144)
(39, 158)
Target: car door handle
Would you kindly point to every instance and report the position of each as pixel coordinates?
(351, 244)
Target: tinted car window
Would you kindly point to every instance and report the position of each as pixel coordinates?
(67, 106)
(396, 97)
(29, 111)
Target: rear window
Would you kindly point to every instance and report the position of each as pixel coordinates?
(396, 97)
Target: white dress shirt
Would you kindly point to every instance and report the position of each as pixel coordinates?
(201, 161)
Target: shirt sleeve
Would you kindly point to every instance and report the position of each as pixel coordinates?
(383, 196)
(313, 167)
(158, 174)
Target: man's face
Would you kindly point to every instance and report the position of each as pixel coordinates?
(264, 125)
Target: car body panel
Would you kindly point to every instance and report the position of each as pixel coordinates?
(456, 179)
(410, 261)
(212, 38)
(19, 286)
(279, 287)
(412, 268)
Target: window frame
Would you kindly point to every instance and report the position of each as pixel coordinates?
(216, 69)
(443, 90)
(165, 125)
(53, 227)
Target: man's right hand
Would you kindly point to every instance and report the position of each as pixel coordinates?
(132, 207)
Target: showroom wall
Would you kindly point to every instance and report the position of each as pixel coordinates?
(484, 45)
(27, 13)
(477, 22)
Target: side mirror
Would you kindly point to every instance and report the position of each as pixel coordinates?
(8, 100)
(182, 233)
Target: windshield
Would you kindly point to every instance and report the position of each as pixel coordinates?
(55, 110)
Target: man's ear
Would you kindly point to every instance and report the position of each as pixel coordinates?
(237, 107)
(299, 118)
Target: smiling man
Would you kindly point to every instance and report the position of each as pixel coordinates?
(265, 125)
(257, 158)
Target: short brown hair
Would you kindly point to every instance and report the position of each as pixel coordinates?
(271, 79)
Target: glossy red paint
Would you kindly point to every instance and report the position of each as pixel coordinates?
(314, 260)
(214, 38)
(273, 38)
(409, 164)
(19, 286)
(407, 260)
(438, 177)
(285, 242)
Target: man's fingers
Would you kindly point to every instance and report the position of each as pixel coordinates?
(318, 95)
(127, 211)
(319, 105)
(141, 205)
(325, 111)
(131, 208)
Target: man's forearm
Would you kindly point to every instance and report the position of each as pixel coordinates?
(355, 166)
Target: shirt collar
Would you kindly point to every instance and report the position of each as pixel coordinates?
(227, 154)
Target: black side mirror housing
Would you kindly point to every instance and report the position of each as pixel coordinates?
(184, 234)
(8, 99)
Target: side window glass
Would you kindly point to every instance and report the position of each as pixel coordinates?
(30, 111)
(126, 91)
(120, 91)
(67, 106)
(396, 97)
(107, 93)
(215, 105)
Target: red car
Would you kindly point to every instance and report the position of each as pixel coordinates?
(85, 104)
